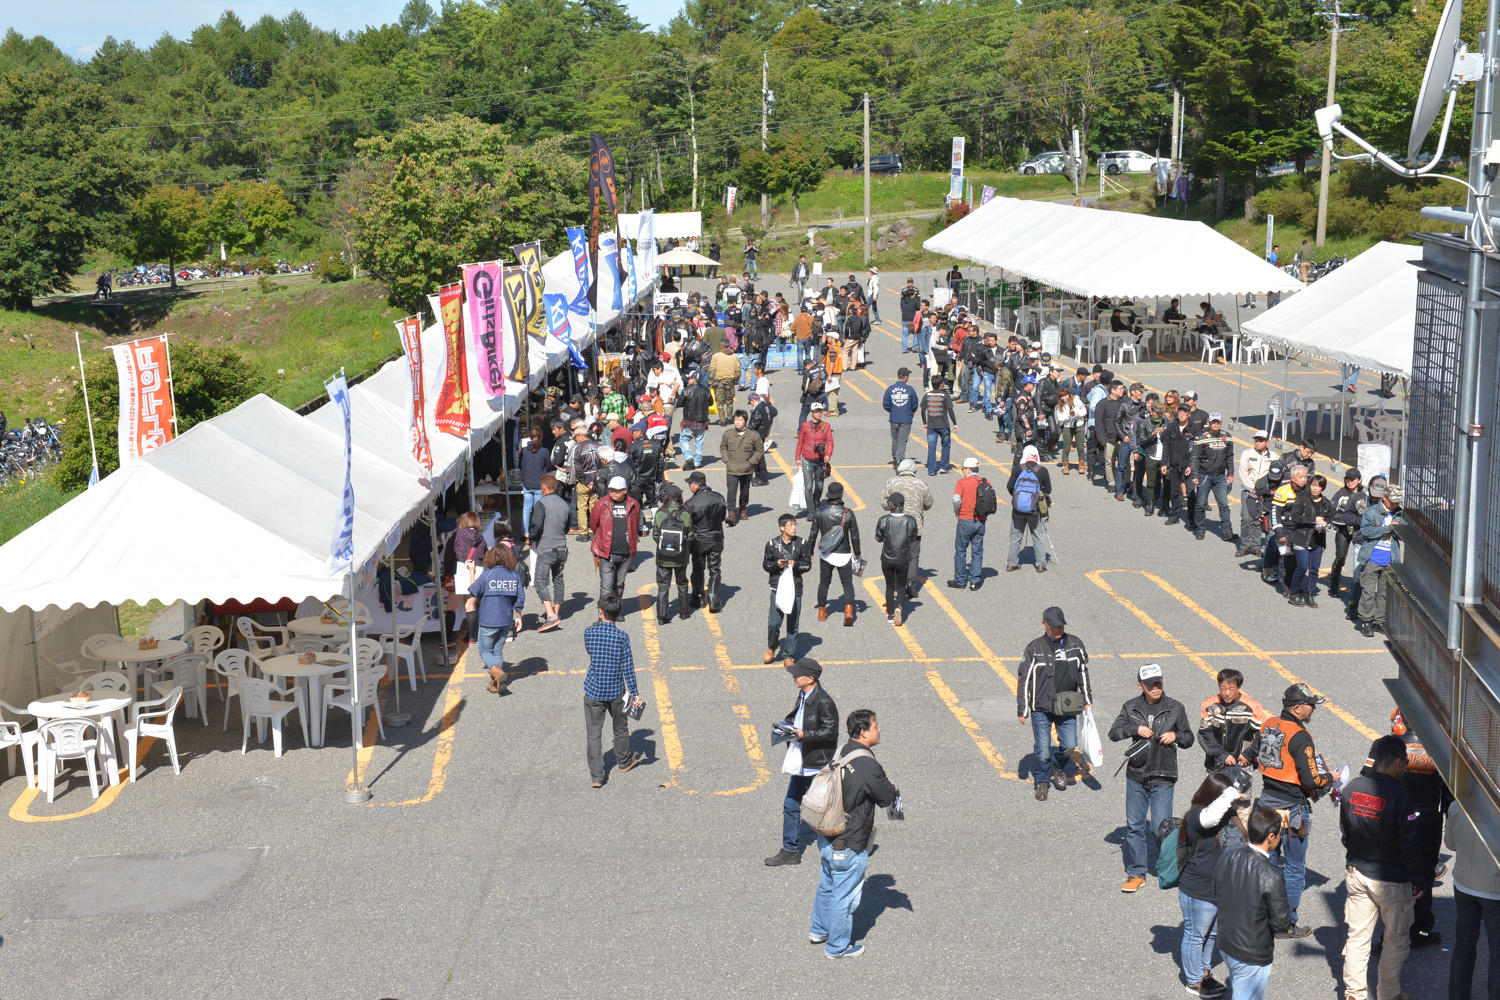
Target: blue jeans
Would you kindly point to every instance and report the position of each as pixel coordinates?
(773, 625)
(934, 436)
(968, 552)
(1200, 935)
(1140, 832)
(528, 501)
(1219, 486)
(981, 389)
(1292, 854)
(690, 443)
(1003, 424)
(805, 352)
(906, 335)
(874, 310)
(1246, 981)
(791, 812)
(1305, 577)
(1123, 454)
(750, 266)
(1046, 756)
(841, 880)
(492, 644)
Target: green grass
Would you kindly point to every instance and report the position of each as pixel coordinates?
(23, 506)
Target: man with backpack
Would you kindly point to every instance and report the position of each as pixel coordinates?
(673, 533)
(1052, 690)
(1030, 488)
(814, 721)
(845, 825)
(974, 500)
(1158, 727)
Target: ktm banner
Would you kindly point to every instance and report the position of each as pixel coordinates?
(513, 286)
(602, 195)
(147, 415)
(451, 414)
(410, 331)
(529, 260)
(482, 289)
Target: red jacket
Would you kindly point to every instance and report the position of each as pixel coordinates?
(810, 436)
(602, 524)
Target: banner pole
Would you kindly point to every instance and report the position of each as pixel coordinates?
(357, 793)
(397, 718)
(166, 344)
(88, 413)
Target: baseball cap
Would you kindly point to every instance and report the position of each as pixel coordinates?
(970, 463)
(1378, 486)
(1352, 473)
(617, 483)
(1276, 472)
(1053, 616)
(1055, 366)
(903, 372)
(805, 668)
(1261, 436)
(1190, 394)
(1028, 380)
(1137, 387)
(1149, 672)
(816, 406)
(1300, 694)
(697, 476)
(1394, 494)
(1216, 418)
(906, 465)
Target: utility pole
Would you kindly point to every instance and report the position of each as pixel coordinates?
(693, 131)
(867, 178)
(1335, 19)
(765, 200)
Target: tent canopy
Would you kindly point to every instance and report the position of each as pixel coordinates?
(1107, 254)
(683, 257)
(1364, 313)
(669, 225)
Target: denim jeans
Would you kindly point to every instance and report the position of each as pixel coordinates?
(1046, 756)
(1219, 486)
(690, 442)
(1292, 855)
(968, 552)
(773, 625)
(492, 644)
(1246, 981)
(900, 434)
(1122, 456)
(528, 501)
(982, 391)
(1140, 831)
(1200, 935)
(805, 351)
(751, 268)
(1305, 576)
(936, 436)
(612, 577)
(841, 880)
(791, 812)
(1471, 912)
(1037, 528)
(906, 335)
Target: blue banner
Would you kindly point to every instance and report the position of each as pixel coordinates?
(342, 551)
(557, 319)
(578, 242)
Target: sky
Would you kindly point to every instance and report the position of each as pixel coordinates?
(78, 27)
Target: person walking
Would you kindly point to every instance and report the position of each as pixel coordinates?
(762, 415)
(752, 252)
(672, 530)
(1252, 908)
(1209, 463)
(973, 502)
(1476, 902)
(535, 462)
(872, 294)
(897, 532)
(1292, 779)
(494, 603)
(900, 405)
(724, 372)
(917, 501)
(615, 527)
(548, 534)
(844, 858)
(1229, 723)
(786, 560)
(1382, 869)
(1107, 434)
(800, 273)
(1379, 550)
(707, 510)
(910, 302)
(1349, 506)
(1030, 489)
(586, 466)
(939, 420)
(815, 735)
(610, 675)
(835, 533)
(1255, 462)
(1210, 827)
(1052, 690)
(741, 450)
(1158, 727)
(815, 453)
(1425, 784)
(694, 402)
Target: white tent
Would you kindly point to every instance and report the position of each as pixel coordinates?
(1107, 254)
(1364, 313)
(669, 225)
(683, 257)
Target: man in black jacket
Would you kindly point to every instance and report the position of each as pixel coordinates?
(1383, 868)
(1209, 461)
(1107, 433)
(1252, 906)
(846, 856)
(1158, 727)
(815, 726)
(1293, 776)
(835, 534)
(911, 301)
(1349, 506)
(1177, 446)
(707, 509)
(694, 401)
(785, 552)
(1052, 663)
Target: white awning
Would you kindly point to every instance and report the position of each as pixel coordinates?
(1107, 254)
(1364, 313)
(669, 225)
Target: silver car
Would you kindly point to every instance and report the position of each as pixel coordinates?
(1127, 161)
(1051, 162)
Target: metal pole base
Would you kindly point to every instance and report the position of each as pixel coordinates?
(397, 719)
(358, 795)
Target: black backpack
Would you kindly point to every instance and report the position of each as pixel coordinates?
(985, 500)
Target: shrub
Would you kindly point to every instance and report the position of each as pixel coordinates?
(264, 265)
(332, 266)
(1292, 206)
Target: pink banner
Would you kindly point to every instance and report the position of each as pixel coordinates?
(410, 331)
(482, 289)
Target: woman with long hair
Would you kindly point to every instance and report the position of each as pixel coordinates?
(494, 611)
(1206, 831)
(1070, 415)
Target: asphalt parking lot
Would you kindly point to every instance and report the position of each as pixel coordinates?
(486, 865)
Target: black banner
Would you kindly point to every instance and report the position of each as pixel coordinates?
(602, 195)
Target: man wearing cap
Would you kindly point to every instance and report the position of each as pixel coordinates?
(585, 470)
(911, 301)
(939, 420)
(1292, 779)
(835, 534)
(1425, 784)
(917, 502)
(1053, 689)
(1209, 463)
(1279, 522)
(1197, 418)
(708, 512)
(1047, 388)
(1254, 462)
(1024, 414)
(815, 452)
(1158, 727)
(666, 382)
(615, 525)
(968, 540)
(1177, 447)
(900, 405)
(1302, 455)
(1379, 550)
(1349, 506)
(1131, 408)
(815, 736)
(724, 372)
(785, 560)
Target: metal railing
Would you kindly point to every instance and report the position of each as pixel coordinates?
(1432, 411)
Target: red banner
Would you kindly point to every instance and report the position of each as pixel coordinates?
(147, 416)
(452, 412)
(482, 290)
(410, 331)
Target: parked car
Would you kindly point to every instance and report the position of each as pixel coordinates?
(882, 163)
(1127, 161)
(1051, 162)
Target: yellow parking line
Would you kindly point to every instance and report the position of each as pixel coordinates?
(747, 728)
(20, 810)
(671, 742)
(855, 500)
(986, 654)
(442, 755)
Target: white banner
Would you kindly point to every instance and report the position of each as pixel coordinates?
(609, 271)
(956, 170)
(645, 238)
(729, 199)
(342, 550)
(147, 413)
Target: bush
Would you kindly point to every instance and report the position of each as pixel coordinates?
(332, 266)
(265, 284)
(264, 265)
(1292, 206)
(753, 233)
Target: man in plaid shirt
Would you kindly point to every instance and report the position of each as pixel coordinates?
(611, 672)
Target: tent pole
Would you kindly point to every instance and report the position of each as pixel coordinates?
(397, 718)
(36, 663)
(437, 576)
(356, 793)
(473, 504)
(1239, 399)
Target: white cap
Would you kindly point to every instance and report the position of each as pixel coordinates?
(906, 465)
(617, 483)
(971, 462)
(1149, 672)
(1261, 436)
(816, 406)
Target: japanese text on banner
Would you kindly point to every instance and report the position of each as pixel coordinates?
(147, 417)
(410, 331)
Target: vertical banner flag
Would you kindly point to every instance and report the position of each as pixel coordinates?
(645, 237)
(602, 196)
(986, 195)
(410, 332)
(557, 319)
(513, 283)
(482, 289)
(629, 263)
(578, 242)
(146, 411)
(342, 551)
(529, 260)
(956, 170)
(451, 413)
(729, 198)
(607, 295)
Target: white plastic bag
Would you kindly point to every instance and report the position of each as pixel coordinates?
(1088, 739)
(786, 591)
(798, 499)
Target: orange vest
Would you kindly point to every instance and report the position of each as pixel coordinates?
(1275, 763)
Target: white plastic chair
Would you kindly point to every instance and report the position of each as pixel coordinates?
(67, 739)
(190, 672)
(13, 737)
(1285, 408)
(1212, 345)
(205, 639)
(157, 723)
(308, 644)
(341, 605)
(337, 696)
(1089, 345)
(406, 646)
(258, 701)
(1256, 347)
(265, 640)
(229, 664)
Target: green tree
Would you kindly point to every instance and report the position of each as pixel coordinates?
(795, 163)
(63, 184)
(167, 222)
(245, 214)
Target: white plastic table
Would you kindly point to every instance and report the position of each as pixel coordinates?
(309, 677)
(129, 655)
(101, 710)
(314, 625)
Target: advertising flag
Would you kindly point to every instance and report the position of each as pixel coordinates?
(451, 414)
(482, 289)
(646, 237)
(628, 263)
(342, 551)
(607, 295)
(410, 332)
(730, 194)
(557, 319)
(529, 262)
(603, 199)
(517, 348)
(986, 195)
(147, 415)
(578, 242)
(956, 170)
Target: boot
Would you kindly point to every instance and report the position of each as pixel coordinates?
(744, 513)
(731, 517)
(714, 603)
(848, 615)
(822, 613)
(496, 677)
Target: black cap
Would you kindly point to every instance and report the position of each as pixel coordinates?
(697, 476)
(1082, 370)
(1300, 694)
(1352, 473)
(805, 668)
(834, 491)
(1276, 472)
(903, 373)
(1053, 616)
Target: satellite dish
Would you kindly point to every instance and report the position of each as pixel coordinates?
(1437, 76)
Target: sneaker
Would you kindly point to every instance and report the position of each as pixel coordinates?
(956, 585)
(1366, 630)
(1059, 780)
(1011, 567)
(976, 585)
(816, 939)
(853, 952)
(1041, 567)
(897, 619)
(1133, 883)
(1310, 601)
(784, 857)
(1174, 519)
(1439, 871)
(598, 782)
(1041, 791)
(1201, 990)
(549, 625)
(1210, 983)
(630, 764)
(1231, 537)
(1199, 535)
(1425, 939)
(1295, 931)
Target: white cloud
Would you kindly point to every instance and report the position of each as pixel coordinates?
(86, 51)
